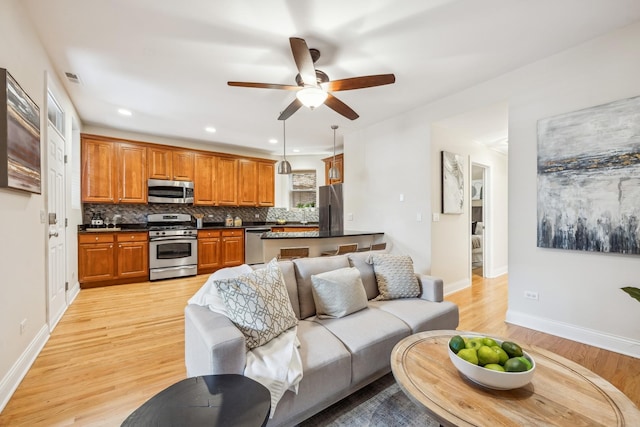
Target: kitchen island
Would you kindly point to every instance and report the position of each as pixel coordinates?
(317, 241)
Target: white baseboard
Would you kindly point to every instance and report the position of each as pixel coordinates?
(450, 288)
(575, 333)
(73, 292)
(496, 272)
(12, 380)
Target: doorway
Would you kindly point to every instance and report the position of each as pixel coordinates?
(478, 215)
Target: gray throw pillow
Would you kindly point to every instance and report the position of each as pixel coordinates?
(258, 304)
(338, 293)
(395, 276)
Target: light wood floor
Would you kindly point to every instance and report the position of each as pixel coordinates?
(118, 346)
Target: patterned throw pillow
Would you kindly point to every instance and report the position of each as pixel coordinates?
(258, 304)
(395, 276)
(338, 293)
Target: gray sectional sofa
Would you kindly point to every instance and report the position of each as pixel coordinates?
(339, 356)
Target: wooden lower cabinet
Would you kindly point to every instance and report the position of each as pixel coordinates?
(112, 258)
(220, 248)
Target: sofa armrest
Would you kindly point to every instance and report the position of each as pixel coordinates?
(432, 288)
(213, 344)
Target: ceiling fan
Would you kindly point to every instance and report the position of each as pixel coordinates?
(314, 86)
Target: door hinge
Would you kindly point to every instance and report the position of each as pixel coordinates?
(66, 286)
(66, 159)
(66, 222)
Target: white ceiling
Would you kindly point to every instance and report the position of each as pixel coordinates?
(169, 61)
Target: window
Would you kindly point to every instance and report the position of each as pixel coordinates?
(303, 188)
(55, 114)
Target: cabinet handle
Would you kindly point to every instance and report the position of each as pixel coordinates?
(119, 246)
(110, 246)
(96, 239)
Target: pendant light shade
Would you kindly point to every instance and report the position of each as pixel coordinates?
(284, 167)
(334, 173)
(311, 97)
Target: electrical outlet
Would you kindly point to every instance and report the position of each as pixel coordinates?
(23, 326)
(350, 216)
(531, 295)
(435, 217)
(401, 197)
(257, 216)
(419, 217)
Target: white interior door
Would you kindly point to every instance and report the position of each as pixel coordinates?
(57, 302)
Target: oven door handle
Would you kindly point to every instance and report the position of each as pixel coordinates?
(179, 267)
(164, 239)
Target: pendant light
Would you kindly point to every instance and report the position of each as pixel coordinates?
(334, 173)
(284, 167)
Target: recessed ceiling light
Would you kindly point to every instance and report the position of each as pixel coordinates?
(273, 141)
(296, 150)
(210, 129)
(124, 112)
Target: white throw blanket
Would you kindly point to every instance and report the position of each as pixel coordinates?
(277, 364)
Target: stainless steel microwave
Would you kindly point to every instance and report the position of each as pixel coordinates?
(163, 191)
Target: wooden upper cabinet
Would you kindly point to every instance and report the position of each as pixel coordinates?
(182, 165)
(339, 164)
(227, 181)
(266, 184)
(98, 169)
(247, 182)
(204, 182)
(132, 173)
(160, 162)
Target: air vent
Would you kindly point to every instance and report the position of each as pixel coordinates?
(73, 78)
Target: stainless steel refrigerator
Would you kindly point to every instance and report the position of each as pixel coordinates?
(330, 209)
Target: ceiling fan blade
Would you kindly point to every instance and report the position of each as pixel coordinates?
(291, 108)
(304, 62)
(340, 107)
(264, 85)
(359, 82)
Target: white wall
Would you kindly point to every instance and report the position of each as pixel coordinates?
(22, 235)
(452, 232)
(579, 292)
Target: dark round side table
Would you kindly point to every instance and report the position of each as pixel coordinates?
(211, 400)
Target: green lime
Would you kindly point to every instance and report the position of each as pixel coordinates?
(489, 342)
(515, 365)
(468, 354)
(474, 343)
(525, 361)
(456, 344)
(494, 367)
(512, 349)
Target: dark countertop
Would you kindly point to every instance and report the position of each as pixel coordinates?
(316, 234)
(84, 228)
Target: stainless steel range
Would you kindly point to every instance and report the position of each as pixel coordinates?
(173, 246)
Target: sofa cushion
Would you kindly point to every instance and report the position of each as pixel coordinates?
(421, 315)
(362, 261)
(258, 304)
(208, 295)
(326, 365)
(395, 276)
(305, 268)
(369, 335)
(338, 293)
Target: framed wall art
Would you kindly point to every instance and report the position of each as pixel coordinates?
(452, 183)
(589, 179)
(19, 137)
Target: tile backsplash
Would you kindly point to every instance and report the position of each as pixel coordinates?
(137, 214)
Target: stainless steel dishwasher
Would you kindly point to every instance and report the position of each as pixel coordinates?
(253, 244)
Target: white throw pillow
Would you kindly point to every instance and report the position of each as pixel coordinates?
(338, 293)
(208, 296)
(395, 276)
(258, 304)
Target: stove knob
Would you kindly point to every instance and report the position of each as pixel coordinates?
(163, 233)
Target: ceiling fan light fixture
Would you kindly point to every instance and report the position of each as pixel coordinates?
(311, 97)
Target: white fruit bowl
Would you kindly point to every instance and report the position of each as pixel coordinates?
(492, 379)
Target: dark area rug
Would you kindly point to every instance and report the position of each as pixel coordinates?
(382, 403)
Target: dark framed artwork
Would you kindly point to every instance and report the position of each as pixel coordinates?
(589, 179)
(19, 137)
(452, 183)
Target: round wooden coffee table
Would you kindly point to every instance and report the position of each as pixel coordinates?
(562, 393)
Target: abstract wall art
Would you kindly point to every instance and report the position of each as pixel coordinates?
(452, 183)
(19, 137)
(589, 179)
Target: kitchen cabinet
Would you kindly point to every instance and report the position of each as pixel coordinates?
(339, 164)
(204, 181)
(247, 182)
(132, 173)
(227, 181)
(112, 258)
(266, 184)
(232, 247)
(167, 163)
(98, 170)
(209, 251)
